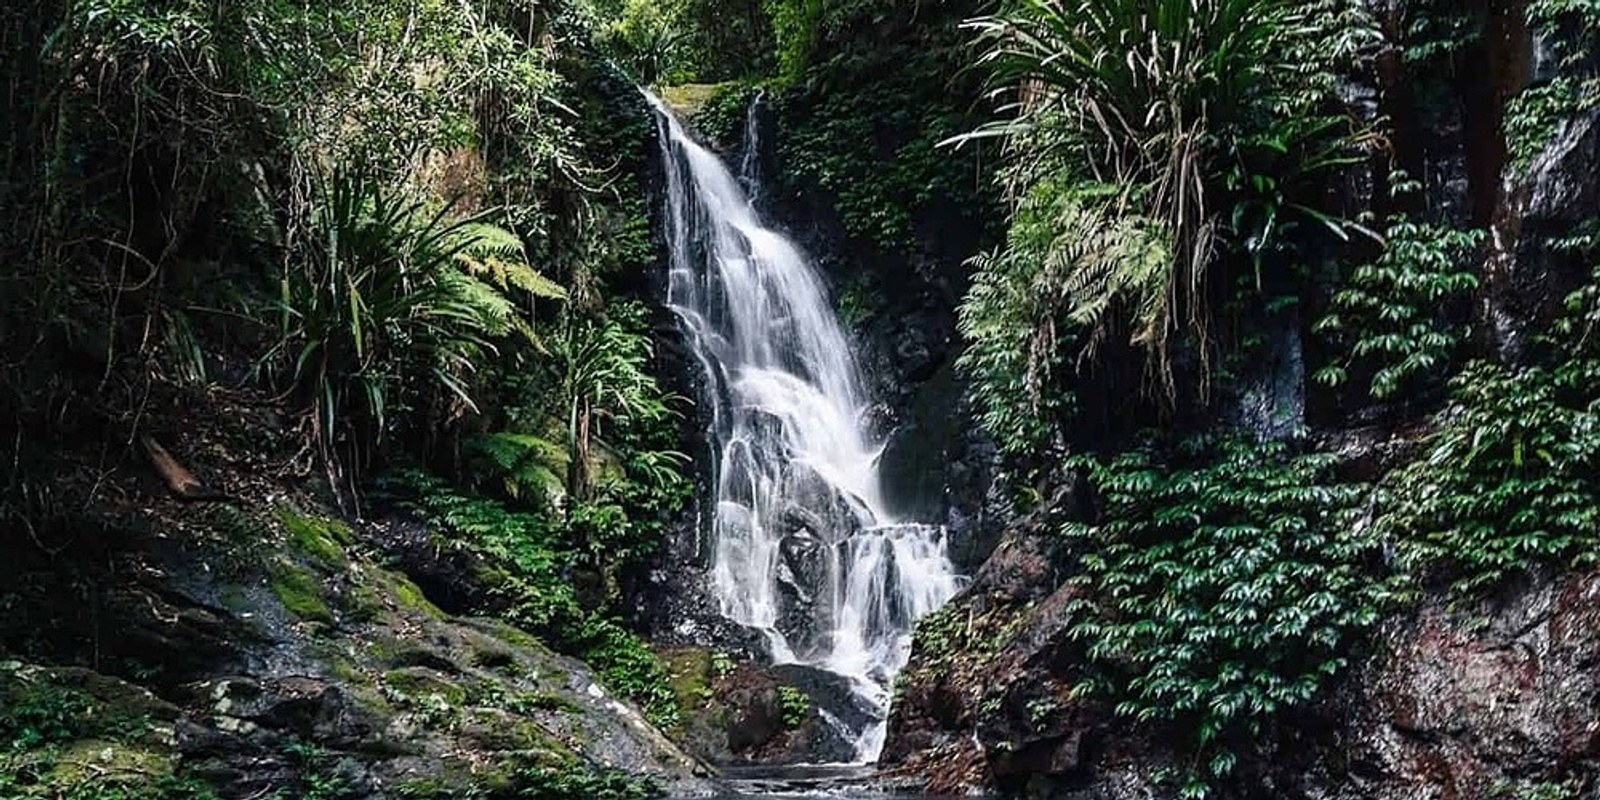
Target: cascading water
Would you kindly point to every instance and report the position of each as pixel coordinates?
(806, 549)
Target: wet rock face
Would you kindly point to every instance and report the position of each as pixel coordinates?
(737, 713)
(267, 665)
(1497, 701)
(940, 467)
(1528, 275)
(1502, 699)
(985, 700)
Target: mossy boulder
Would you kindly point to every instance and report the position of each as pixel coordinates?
(66, 731)
(737, 712)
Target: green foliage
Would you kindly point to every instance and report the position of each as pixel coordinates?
(1437, 30)
(1392, 319)
(794, 27)
(49, 715)
(735, 38)
(651, 39)
(1503, 487)
(843, 139)
(1039, 289)
(605, 379)
(561, 783)
(591, 435)
(962, 640)
(499, 257)
(883, 82)
(534, 564)
(859, 301)
(1509, 789)
(1505, 483)
(315, 774)
(1572, 30)
(796, 706)
(530, 467)
(167, 787)
(47, 723)
(722, 118)
(1219, 590)
(170, 157)
(1205, 118)
(379, 321)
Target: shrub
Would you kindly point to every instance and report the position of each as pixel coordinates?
(380, 320)
(1393, 317)
(1220, 590)
(1205, 117)
(1505, 483)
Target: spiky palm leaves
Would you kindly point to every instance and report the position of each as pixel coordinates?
(378, 315)
(1134, 92)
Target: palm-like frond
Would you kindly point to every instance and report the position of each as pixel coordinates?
(1071, 259)
(1131, 94)
(380, 313)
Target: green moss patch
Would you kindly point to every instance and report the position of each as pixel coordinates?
(495, 729)
(420, 682)
(79, 734)
(690, 675)
(409, 596)
(300, 594)
(688, 99)
(320, 538)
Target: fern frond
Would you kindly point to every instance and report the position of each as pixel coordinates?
(498, 256)
(531, 465)
(483, 239)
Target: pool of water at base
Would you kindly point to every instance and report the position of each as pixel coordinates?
(811, 782)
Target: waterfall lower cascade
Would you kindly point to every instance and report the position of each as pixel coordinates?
(806, 549)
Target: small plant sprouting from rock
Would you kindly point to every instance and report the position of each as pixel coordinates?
(796, 706)
(1393, 316)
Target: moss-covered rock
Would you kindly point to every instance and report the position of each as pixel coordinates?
(421, 682)
(737, 712)
(69, 732)
(321, 539)
(300, 593)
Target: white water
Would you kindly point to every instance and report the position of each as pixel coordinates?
(806, 549)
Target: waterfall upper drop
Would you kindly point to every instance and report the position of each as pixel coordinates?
(805, 548)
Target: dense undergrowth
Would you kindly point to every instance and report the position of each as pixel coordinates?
(412, 234)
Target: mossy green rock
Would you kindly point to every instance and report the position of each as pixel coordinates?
(323, 671)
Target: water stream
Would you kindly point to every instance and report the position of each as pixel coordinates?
(805, 548)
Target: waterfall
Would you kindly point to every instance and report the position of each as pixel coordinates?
(805, 548)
